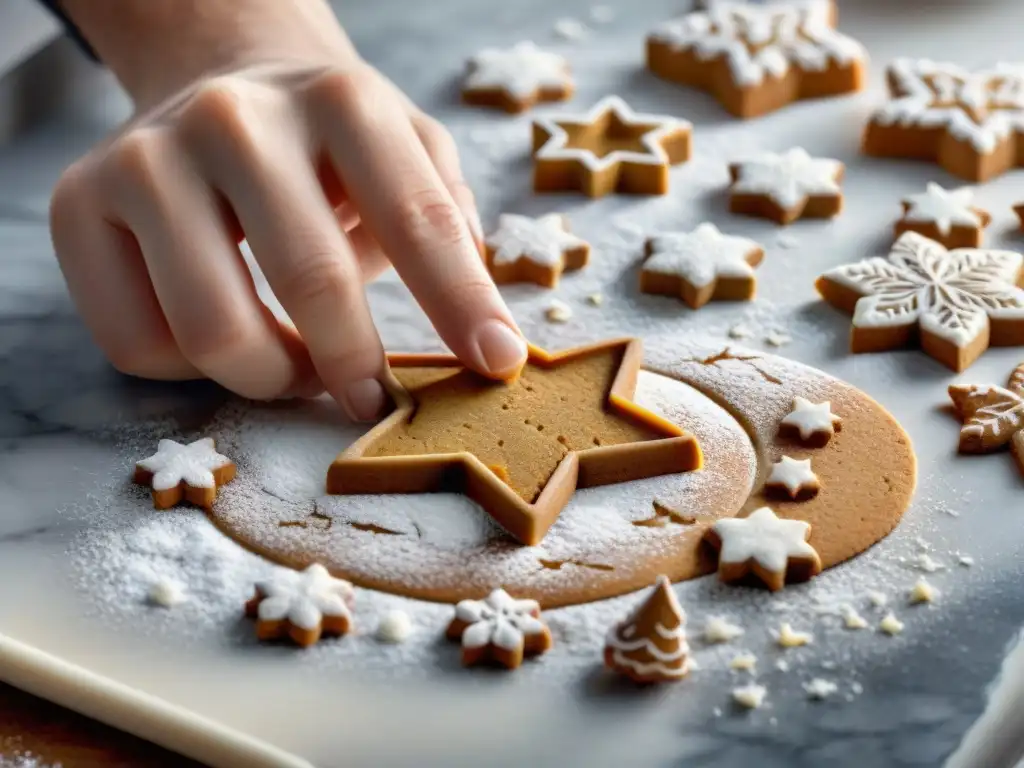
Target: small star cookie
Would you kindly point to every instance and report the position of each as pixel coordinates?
(515, 79)
(785, 187)
(301, 605)
(945, 216)
(792, 478)
(773, 549)
(499, 629)
(813, 422)
(538, 250)
(179, 472)
(701, 266)
(993, 417)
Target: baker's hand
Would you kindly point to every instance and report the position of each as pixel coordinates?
(327, 170)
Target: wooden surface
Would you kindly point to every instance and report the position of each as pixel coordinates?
(56, 736)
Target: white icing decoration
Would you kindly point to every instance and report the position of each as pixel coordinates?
(750, 696)
(938, 95)
(793, 474)
(765, 538)
(166, 593)
(923, 592)
(542, 240)
(788, 178)
(520, 71)
(819, 688)
(810, 419)
(745, 662)
(891, 625)
(719, 630)
(193, 464)
(660, 127)
(304, 598)
(949, 293)
(394, 627)
(943, 208)
(760, 42)
(820, 10)
(993, 423)
(701, 256)
(618, 639)
(498, 620)
(787, 637)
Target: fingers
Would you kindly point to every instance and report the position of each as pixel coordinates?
(405, 203)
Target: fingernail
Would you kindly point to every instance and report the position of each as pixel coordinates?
(365, 399)
(503, 350)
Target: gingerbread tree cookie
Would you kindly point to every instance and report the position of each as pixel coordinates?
(773, 549)
(956, 303)
(993, 417)
(701, 266)
(534, 250)
(499, 629)
(785, 187)
(515, 79)
(650, 646)
(302, 606)
(814, 423)
(945, 216)
(179, 472)
(608, 149)
(756, 59)
(970, 123)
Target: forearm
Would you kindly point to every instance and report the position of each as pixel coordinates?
(156, 47)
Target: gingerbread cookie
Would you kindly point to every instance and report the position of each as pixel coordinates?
(814, 423)
(701, 266)
(793, 479)
(993, 417)
(945, 216)
(970, 123)
(785, 187)
(534, 250)
(954, 303)
(608, 149)
(519, 449)
(179, 472)
(773, 549)
(515, 79)
(757, 59)
(1019, 210)
(650, 646)
(499, 629)
(824, 11)
(302, 606)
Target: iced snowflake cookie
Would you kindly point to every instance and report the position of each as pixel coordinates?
(945, 216)
(821, 10)
(993, 417)
(773, 549)
(303, 606)
(793, 479)
(701, 266)
(608, 149)
(534, 250)
(757, 59)
(813, 423)
(787, 186)
(970, 123)
(956, 303)
(499, 629)
(650, 646)
(179, 472)
(515, 79)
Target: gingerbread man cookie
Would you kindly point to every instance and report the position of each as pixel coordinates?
(650, 646)
(993, 417)
(786, 186)
(534, 250)
(302, 606)
(179, 472)
(945, 216)
(515, 79)
(499, 629)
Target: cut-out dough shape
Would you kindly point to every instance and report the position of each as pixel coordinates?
(793, 479)
(499, 629)
(515, 79)
(946, 216)
(814, 423)
(178, 472)
(523, 249)
(786, 186)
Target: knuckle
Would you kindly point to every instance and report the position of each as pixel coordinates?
(321, 279)
(143, 357)
(216, 120)
(135, 157)
(68, 196)
(206, 341)
(348, 88)
(432, 211)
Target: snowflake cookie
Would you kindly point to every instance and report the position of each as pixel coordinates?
(773, 549)
(785, 187)
(756, 59)
(814, 423)
(821, 10)
(701, 266)
(179, 472)
(523, 249)
(499, 629)
(970, 123)
(515, 79)
(993, 417)
(956, 303)
(944, 215)
(650, 646)
(793, 479)
(301, 605)
(608, 149)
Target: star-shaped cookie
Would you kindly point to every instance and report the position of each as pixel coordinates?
(515, 79)
(608, 149)
(184, 472)
(813, 422)
(786, 186)
(521, 448)
(538, 250)
(701, 265)
(993, 417)
(955, 303)
(793, 479)
(970, 123)
(946, 216)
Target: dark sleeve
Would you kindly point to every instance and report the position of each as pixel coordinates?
(70, 28)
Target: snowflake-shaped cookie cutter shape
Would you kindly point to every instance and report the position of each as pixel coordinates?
(993, 417)
(499, 629)
(302, 605)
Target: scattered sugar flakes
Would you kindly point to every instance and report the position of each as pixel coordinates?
(966, 561)
(820, 689)
(166, 593)
(856, 688)
(927, 563)
(782, 665)
(787, 637)
(558, 312)
(740, 331)
(923, 545)
(717, 711)
(890, 625)
(750, 696)
(923, 592)
(777, 339)
(595, 299)
(852, 619)
(787, 241)
(878, 599)
(829, 664)
(602, 14)
(24, 760)
(394, 627)
(744, 662)
(719, 630)
(570, 29)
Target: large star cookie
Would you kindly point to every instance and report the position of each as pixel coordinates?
(516, 78)
(534, 250)
(608, 149)
(970, 123)
(179, 472)
(955, 303)
(786, 186)
(993, 417)
(946, 216)
(519, 449)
